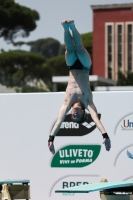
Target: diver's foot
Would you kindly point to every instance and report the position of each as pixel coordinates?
(70, 23)
(65, 24)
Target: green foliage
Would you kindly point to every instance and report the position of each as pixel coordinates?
(121, 79)
(20, 43)
(28, 89)
(61, 87)
(125, 80)
(57, 66)
(17, 89)
(21, 58)
(87, 42)
(16, 20)
(62, 49)
(18, 76)
(130, 78)
(21, 64)
(48, 47)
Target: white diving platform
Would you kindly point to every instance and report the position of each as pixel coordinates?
(96, 187)
(14, 189)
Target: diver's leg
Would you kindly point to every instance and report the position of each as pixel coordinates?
(82, 53)
(70, 53)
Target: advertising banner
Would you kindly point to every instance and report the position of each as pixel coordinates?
(80, 157)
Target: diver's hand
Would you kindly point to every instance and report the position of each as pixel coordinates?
(51, 144)
(51, 147)
(106, 141)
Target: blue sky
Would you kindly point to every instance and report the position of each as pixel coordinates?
(53, 11)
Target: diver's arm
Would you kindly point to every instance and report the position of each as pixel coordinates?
(93, 112)
(61, 116)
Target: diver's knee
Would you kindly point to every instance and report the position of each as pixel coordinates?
(80, 49)
(70, 50)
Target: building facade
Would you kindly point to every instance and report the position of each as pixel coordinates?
(112, 39)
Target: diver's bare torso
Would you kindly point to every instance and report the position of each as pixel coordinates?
(78, 88)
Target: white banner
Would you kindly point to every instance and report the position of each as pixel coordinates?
(80, 158)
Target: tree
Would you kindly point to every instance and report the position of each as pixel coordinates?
(130, 78)
(121, 79)
(62, 49)
(16, 20)
(20, 43)
(17, 65)
(48, 47)
(125, 80)
(87, 42)
(57, 66)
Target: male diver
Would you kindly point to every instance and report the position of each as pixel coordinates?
(78, 95)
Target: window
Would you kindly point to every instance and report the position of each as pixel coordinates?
(129, 46)
(119, 47)
(109, 51)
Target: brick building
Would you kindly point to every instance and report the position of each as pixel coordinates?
(112, 39)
